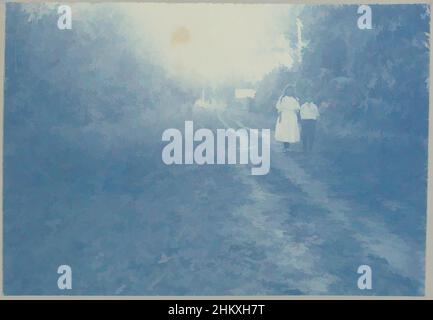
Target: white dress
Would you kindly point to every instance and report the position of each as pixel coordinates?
(287, 127)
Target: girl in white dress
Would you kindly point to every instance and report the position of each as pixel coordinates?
(287, 126)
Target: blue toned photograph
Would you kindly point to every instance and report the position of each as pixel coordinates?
(215, 149)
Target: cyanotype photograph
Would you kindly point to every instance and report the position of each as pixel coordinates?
(215, 149)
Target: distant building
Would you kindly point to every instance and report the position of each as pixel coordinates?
(245, 93)
(209, 103)
(202, 102)
(245, 97)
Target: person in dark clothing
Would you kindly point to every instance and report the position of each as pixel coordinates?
(309, 115)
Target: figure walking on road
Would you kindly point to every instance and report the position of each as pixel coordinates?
(287, 127)
(309, 115)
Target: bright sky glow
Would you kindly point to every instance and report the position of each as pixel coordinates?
(213, 43)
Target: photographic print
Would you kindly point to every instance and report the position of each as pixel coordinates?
(215, 149)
